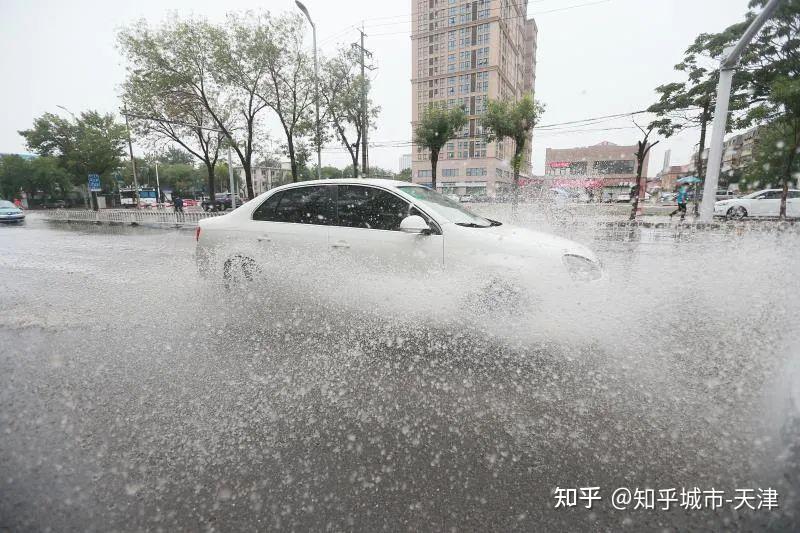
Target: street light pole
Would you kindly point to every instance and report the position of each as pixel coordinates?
(158, 186)
(316, 87)
(727, 66)
(230, 174)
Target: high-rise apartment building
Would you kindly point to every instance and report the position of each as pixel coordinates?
(466, 53)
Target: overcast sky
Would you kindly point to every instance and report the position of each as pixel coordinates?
(593, 60)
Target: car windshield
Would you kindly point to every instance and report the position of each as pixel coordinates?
(449, 209)
(5, 204)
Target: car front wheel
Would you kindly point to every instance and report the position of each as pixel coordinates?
(737, 213)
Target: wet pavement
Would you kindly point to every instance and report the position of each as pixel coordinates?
(135, 395)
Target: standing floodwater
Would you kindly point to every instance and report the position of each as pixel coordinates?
(136, 395)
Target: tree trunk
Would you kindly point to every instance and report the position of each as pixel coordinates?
(355, 166)
(788, 176)
(635, 206)
(701, 148)
(516, 164)
(248, 178)
(211, 192)
(292, 160)
(434, 162)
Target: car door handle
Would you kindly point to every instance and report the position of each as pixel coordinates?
(340, 244)
(264, 238)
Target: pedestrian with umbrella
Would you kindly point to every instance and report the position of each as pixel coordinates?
(683, 195)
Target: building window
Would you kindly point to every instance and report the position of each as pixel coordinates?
(449, 172)
(424, 174)
(476, 171)
(614, 167)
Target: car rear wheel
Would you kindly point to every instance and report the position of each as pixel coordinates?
(238, 271)
(737, 213)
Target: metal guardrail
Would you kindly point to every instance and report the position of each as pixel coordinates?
(129, 216)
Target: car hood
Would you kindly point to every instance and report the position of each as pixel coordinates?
(10, 211)
(524, 242)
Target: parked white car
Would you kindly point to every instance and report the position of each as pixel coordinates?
(765, 203)
(341, 229)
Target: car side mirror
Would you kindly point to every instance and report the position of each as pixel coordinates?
(414, 224)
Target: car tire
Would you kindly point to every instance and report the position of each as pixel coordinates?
(737, 213)
(238, 271)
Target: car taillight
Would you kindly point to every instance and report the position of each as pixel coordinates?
(197, 234)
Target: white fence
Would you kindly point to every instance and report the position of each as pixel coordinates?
(129, 216)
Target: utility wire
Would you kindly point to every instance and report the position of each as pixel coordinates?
(445, 29)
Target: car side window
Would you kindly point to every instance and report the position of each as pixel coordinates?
(794, 194)
(300, 205)
(370, 207)
(266, 211)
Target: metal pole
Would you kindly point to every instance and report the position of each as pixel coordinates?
(230, 173)
(717, 139)
(364, 119)
(158, 186)
(133, 161)
(727, 66)
(316, 104)
(316, 86)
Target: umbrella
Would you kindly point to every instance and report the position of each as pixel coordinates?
(688, 179)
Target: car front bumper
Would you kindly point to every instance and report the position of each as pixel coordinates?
(12, 218)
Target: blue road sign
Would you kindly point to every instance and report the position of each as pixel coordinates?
(94, 182)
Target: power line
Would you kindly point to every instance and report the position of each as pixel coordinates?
(422, 16)
(445, 29)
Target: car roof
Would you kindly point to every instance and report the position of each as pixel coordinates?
(352, 181)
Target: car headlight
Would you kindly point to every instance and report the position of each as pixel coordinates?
(582, 268)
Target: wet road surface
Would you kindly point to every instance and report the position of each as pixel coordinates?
(136, 396)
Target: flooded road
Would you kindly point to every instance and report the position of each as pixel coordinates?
(135, 395)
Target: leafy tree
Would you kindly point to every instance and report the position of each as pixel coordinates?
(773, 54)
(378, 172)
(777, 157)
(331, 173)
(769, 67)
(39, 175)
(289, 86)
(341, 91)
(48, 176)
(690, 103)
(435, 128)
(188, 62)
(90, 143)
(404, 175)
(13, 176)
(243, 52)
(515, 121)
(175, 156)
(165, 113)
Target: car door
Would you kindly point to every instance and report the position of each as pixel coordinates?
(366, 233)
(767, 204)
(289, 230)
(793, 204)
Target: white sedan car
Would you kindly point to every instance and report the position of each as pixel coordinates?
(766, 203)
(345, 230)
